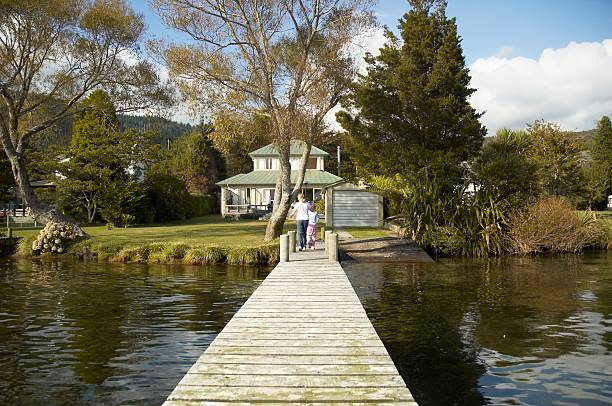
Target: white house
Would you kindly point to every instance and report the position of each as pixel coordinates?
(254, 191)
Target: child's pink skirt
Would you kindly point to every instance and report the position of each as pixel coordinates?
(311, 234)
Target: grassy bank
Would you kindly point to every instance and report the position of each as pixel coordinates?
(209, 239)
(368, 232)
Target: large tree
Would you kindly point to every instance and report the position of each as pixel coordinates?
(52, 54)
(412, 107)
(601, 157)
(286, 58)
(504, 169)
(558, 156)
(194, 159)
(96, 156)
(235, 135)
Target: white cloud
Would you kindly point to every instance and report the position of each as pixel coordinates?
(571, 86)
(370, 41)
(505, 51)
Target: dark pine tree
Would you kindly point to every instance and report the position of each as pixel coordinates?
(410, 113)
(601, 153)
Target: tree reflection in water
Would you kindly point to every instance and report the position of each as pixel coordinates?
(97, 333)
(465, 332)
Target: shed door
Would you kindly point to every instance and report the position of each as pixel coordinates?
(354, 208)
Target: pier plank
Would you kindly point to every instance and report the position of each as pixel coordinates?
(302, 337)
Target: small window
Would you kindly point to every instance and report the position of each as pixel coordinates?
(312, 163)
(268, 163)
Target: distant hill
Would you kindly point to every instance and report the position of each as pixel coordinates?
(587, 135)
(164, 128)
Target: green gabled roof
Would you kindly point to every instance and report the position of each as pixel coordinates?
(297, 147)
(268, 178)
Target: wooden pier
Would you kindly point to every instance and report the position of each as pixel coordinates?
(302, 337)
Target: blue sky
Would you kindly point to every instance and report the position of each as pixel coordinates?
(538, 59)
(528, 27)
(515, 27)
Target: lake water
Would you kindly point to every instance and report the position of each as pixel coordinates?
(87, 333)
(513, 331)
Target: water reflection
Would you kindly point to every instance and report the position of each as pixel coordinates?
(511, 331)
(88, 333)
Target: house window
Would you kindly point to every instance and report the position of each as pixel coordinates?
(312, 163)
(268, 163)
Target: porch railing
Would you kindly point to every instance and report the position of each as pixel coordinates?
(246, 208)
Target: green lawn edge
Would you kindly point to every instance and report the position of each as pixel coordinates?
(204, 240)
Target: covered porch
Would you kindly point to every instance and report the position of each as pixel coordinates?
(255, 200)
(253, 193)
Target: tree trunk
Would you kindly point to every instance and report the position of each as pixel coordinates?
(282, 202)
(287, 195)
(39, 210)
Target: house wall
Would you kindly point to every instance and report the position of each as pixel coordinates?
(259, 164)
(349, 205)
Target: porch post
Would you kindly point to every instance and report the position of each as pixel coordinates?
(223, 200)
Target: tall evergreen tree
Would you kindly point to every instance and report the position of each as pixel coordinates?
(93, 156)
(99, 156)
(411, 109)
(601, 153)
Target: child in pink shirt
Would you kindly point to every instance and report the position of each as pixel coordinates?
(311, 233)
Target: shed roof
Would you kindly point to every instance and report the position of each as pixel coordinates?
(268, 178)
(297, 147)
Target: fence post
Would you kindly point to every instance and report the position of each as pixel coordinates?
(333, 247)
(284, 248)
(291, 240)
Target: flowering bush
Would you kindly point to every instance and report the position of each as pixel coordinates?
(52, 238)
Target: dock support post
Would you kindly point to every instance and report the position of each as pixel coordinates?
(333, 247)
(284, 248)
(291, 240)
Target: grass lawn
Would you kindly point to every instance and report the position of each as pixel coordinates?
(367, 232)
(211, 229)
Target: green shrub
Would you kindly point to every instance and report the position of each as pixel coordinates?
(133, 254)
(551, 225)
(24, 247)
(168, 252)
(270, 253)
(168, 196)
(242, 255)
(201, 205)
(605, 238)
(443, 241)
(122, 201)
(320, 206)
(204, 255)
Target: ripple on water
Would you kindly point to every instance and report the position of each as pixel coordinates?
(528, 331)
(89, 333)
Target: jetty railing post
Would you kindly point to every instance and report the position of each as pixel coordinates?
(333, 247)
(327, 233)
(291, 240)
(284, 248)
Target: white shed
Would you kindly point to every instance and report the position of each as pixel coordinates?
(348, 205)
